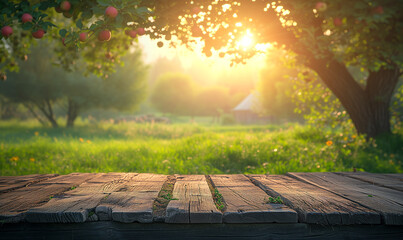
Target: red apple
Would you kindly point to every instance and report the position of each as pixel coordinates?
(160, 44)
(65, 6)
(26, 17)
(83, 37)
(141, 31)
(67, 14)
(337, 22)
(111, 12)
(38, 34)
(6, 31)
(132, 33)
(104, 35)
(378, 10)
(321, 6)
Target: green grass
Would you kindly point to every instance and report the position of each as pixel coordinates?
(27, 148)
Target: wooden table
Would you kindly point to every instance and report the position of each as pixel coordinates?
(115, 205)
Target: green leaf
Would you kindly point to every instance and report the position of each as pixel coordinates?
(104, 2)
(62, 32)
(27, 26)
(142, 10)
(79, 24)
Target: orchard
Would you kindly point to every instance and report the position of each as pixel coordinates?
(325, 36)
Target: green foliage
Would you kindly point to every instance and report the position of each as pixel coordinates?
(168, 197)
(174, 93)
(41, 85)
(191, 149)
(218, 200)
(277, 200)
(227, 119)
(276, 86)
(212, 101)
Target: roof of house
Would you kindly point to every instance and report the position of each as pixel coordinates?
(248, 104)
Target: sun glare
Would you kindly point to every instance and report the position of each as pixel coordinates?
(246, 41)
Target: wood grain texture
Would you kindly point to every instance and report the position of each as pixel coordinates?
(9, 183)
(313, 204)
(383, 180)
(246, 203)
(395, 175)
(388, 202)
(14, 204)
(78, 205)
(192, 202)
(133, 202)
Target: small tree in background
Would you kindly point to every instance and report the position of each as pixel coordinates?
(212, 101)
(41, 85)
(174, 93)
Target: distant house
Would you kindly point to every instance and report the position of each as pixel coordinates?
(247, 112)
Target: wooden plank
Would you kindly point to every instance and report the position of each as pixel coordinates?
(395, 175)
(382, 180)
(78, 205)
(313, 204)
(246, 203)
(14, 204)
(388, 202)
(133, 202)
(9, 183)
(194, 202)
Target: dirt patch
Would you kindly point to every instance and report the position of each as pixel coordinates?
(217, 197)
(164, 197)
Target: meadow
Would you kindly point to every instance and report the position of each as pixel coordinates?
(28, 148)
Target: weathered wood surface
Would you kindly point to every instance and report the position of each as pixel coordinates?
(383, 180)
(395, 175)
(319, 198)
(133, 202)
(246, 203)
(192, 202)
(388, 202)
(313, 204)
(8, 183)
(78, 205)
(14, 204)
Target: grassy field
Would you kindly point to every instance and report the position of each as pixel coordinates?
(27, 148)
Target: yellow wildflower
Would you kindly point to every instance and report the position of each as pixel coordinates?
(36, 133)
(32, 159)
(81, 140)
(15, 158)
(354, 136)
(329, 143)
(88, 141)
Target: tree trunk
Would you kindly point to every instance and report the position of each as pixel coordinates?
(32, 111)
(368, 107)
(72, 113)
(47, 110)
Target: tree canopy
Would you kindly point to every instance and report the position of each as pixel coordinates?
(325, 36)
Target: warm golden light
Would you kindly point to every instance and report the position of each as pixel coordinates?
(246, 41)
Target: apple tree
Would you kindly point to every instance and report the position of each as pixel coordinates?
(325, 36)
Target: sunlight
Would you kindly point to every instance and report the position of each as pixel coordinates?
(246, 41)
